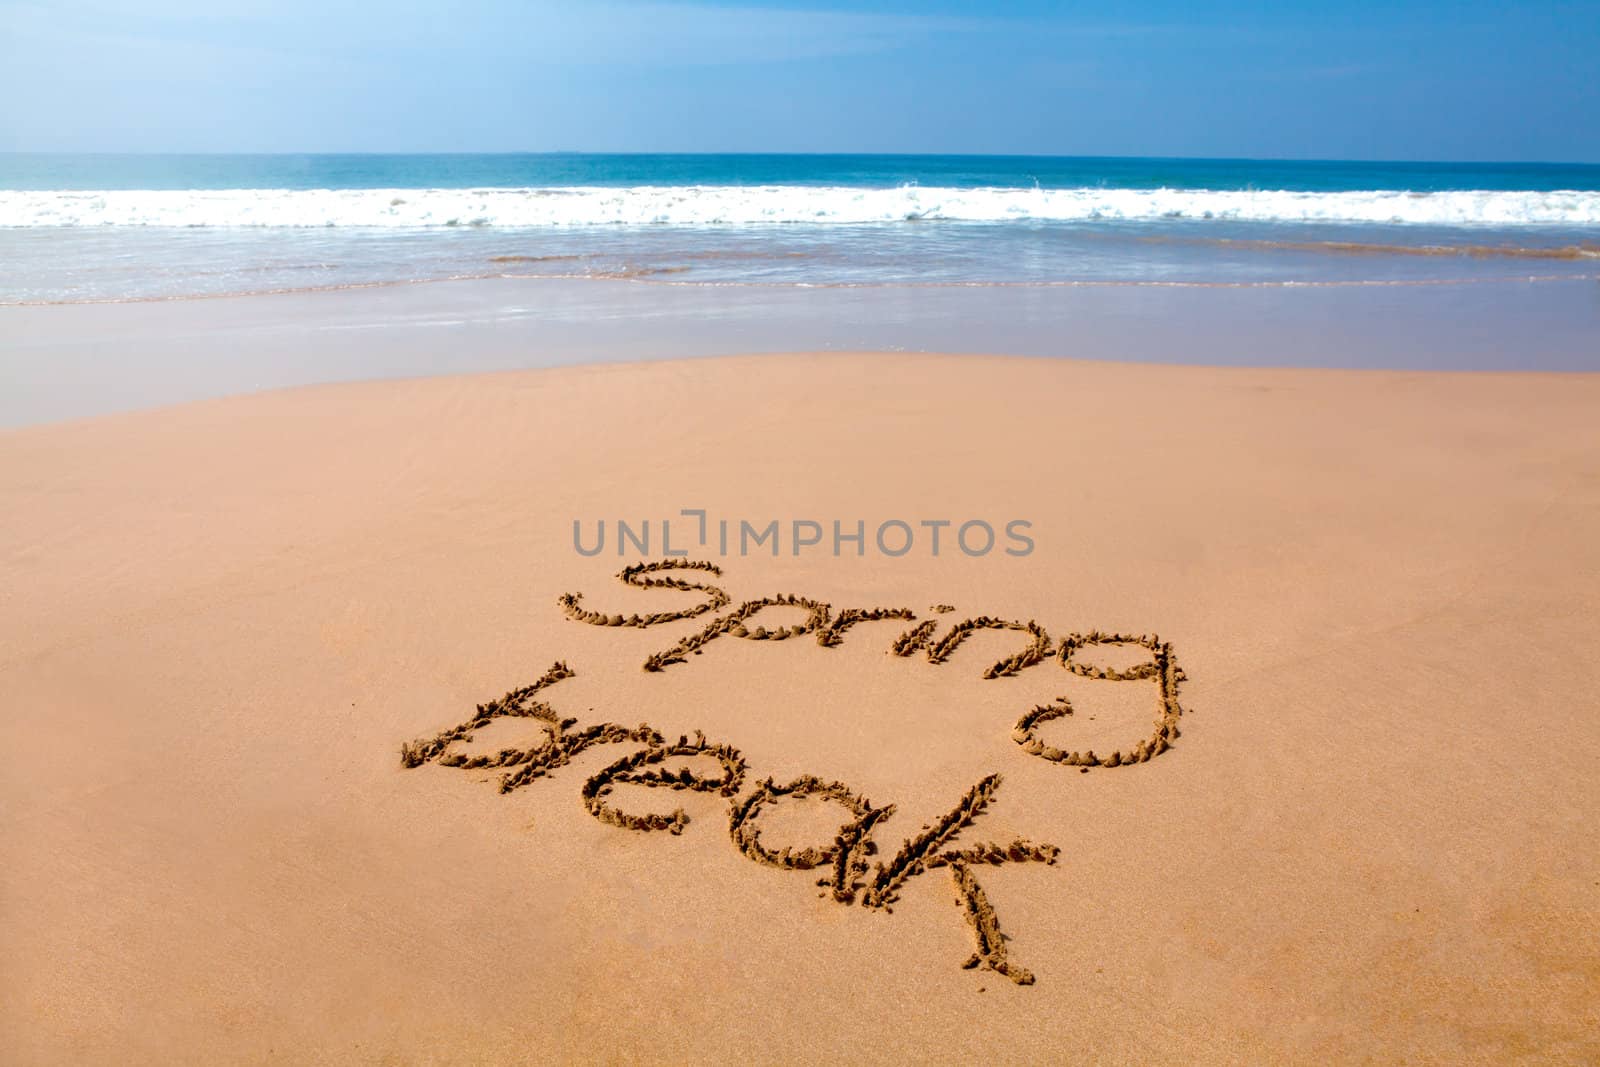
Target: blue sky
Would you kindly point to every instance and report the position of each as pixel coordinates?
(1362, 80)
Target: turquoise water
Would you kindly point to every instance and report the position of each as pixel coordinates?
(524, 170)
(105, 227)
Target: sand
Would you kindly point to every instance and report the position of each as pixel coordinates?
(1332, 639)
(61, 361)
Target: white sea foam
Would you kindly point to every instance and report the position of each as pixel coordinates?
(753, 205)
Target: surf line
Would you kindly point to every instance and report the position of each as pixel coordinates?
(848, 874)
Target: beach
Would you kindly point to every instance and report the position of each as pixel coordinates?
(703, 532)
(76, 360)
(1350, 618)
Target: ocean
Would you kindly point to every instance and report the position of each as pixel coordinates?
(93, 228)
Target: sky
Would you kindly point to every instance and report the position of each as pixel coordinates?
(1401, 80)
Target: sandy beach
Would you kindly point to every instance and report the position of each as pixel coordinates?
(1351, 817)
(694, 532)
(62, 361)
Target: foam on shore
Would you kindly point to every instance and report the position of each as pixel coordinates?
(724, 205)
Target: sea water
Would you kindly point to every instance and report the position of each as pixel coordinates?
(115, 228)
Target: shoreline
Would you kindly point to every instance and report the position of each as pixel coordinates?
(645, 277)
(59, 364)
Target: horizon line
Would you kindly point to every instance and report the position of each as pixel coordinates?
(817, 154)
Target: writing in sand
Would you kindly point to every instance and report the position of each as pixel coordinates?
(849, 873)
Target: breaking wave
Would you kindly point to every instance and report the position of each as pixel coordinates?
(727, 205)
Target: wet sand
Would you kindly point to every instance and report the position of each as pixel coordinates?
(70, 361)
(322, 742)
